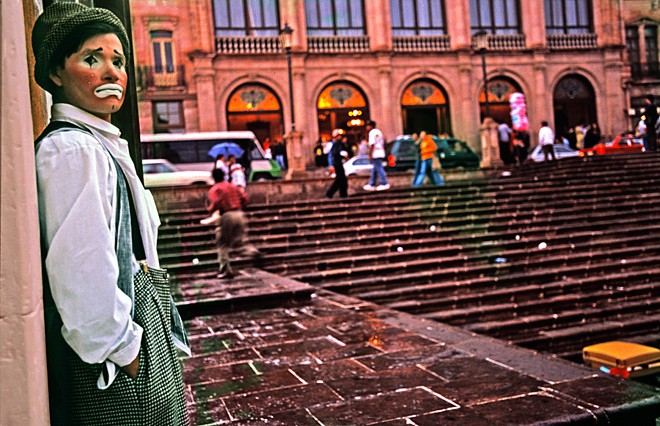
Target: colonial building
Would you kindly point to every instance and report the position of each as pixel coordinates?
(207, 65)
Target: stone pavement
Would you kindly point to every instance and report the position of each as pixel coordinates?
(269, 351)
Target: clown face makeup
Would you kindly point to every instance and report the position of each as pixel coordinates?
(94, 78)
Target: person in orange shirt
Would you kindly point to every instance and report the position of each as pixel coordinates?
(427, 148)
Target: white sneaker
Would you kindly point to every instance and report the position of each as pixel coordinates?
(383, 187)
(369, 188)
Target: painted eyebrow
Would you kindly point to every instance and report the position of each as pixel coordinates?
(100, 49)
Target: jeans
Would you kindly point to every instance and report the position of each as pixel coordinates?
(378, 172)
(426, 168)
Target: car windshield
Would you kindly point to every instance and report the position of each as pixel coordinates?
(157, 168)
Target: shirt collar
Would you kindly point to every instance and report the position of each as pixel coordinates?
(72, 113)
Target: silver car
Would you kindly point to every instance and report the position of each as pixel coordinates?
(159, 172)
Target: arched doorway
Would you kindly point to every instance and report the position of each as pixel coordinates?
(574, 103)
(342, 105)
(499, 90)
(425, 107)
(255, 107)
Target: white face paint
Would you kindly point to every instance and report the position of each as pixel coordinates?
(107, 90)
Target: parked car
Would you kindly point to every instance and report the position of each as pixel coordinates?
(360, 166)
(619, 145)
(452, 153)
(159, 172)
(561, 151)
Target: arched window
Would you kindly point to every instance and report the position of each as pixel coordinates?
(425, 107)
(342, 105)
(574, 103)
(257, 108)
(499, 90)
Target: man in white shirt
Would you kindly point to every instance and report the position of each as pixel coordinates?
(377, 156)
(547, 141)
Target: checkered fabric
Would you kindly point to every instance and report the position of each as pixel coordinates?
(58, 21)
(156, 396)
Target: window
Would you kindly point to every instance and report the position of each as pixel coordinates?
(335, 17)
(651, 44)
(163, 53)
(568, 16)
(168, 117)
(417, 17)
(246, 17)
(494, 16)
(632, 47)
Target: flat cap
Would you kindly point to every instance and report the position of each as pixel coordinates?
(58, 21)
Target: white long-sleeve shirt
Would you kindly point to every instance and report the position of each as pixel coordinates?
(546, 136)
(77, 183)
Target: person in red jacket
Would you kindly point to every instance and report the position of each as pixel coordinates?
(231, 233)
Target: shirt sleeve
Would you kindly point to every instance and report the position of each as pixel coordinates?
(76, 187)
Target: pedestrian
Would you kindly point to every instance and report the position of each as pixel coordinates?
(592, 137)
(111, 336)
(504, 138)
(363, 148)
(520, 146)
(228, 201)
(651, 120)
(237, 173)
(279, 150)
(377, 157)
(547, 140)
(339, 153)
(417, 139)
(221, 163)
(320, 159)
(427, 148)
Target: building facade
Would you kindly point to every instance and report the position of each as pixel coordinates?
(410, 65)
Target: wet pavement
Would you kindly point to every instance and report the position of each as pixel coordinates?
(271, 351)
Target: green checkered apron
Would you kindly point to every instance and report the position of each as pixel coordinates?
(156, 396)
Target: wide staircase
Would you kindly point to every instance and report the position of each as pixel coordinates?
(550, 256)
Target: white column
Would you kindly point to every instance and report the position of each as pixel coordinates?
(24, 390)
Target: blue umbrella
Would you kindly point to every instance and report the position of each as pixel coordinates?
(226, 149)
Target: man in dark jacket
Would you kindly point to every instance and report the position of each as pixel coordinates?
(338, 152)
(651, 117)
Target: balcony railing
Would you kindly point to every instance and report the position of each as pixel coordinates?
(506, 41)
(420, 43)
(641, 71)
(337, 44)
(163, 77)
(572, 41)
(247, 45)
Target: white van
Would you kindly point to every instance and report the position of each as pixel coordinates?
(189, 151)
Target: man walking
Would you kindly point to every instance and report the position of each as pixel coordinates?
(547, 140)
(231, 233)
(651, 118)
(377, 156)
(338, 152)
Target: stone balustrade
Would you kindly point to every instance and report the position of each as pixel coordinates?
(572, 41)
(506, 42)
(247, 45)
(337, 44)
(421, 43)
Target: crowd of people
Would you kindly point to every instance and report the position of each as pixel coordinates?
(515, 146)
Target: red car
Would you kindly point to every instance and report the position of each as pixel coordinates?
(619, 145)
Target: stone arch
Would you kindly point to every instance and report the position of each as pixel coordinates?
(342, 104)
(500, 87)
(424, 104)
(573, 102)
(255, 106)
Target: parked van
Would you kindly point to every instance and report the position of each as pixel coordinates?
(189, 151)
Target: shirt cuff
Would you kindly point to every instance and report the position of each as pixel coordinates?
(127, 354)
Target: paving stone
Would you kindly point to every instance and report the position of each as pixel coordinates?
(382, 407)
(331, 370)
(271, 402)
